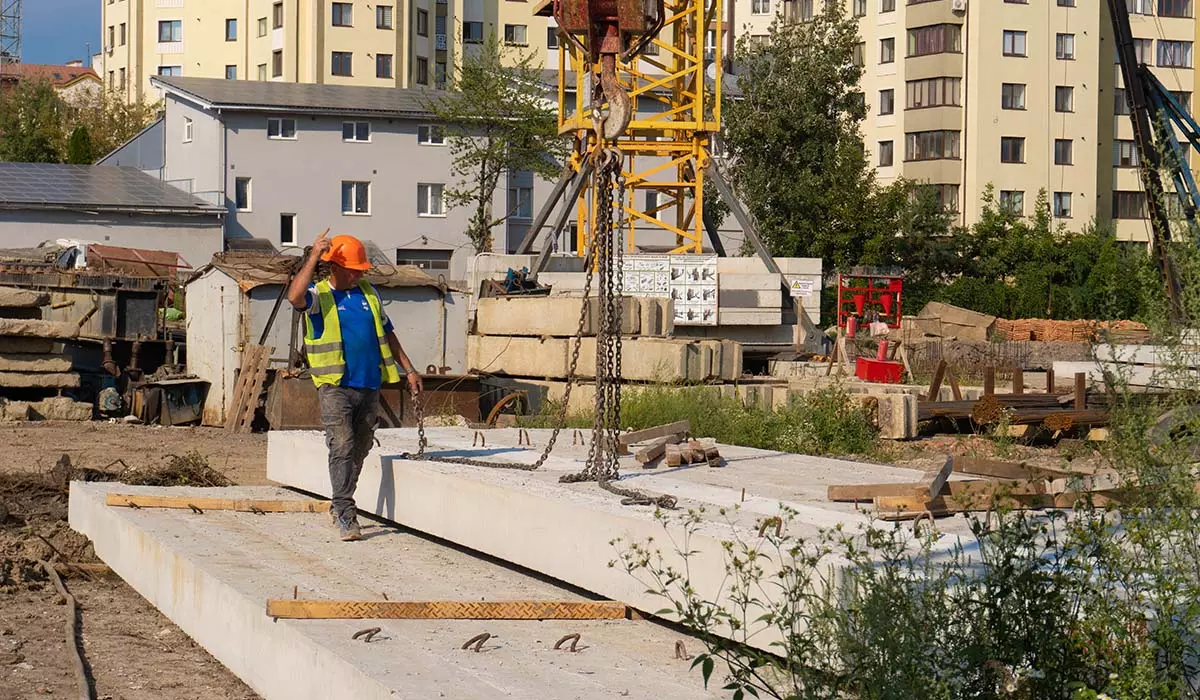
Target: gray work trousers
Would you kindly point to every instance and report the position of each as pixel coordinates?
(349, 418)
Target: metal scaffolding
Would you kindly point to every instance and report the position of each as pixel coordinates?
(10, 31)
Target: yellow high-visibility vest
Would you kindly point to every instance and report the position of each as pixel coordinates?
(326, 356)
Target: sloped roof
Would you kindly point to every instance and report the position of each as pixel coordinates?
(252, 270)
(59, 76)
(92, 187)
(308, 98)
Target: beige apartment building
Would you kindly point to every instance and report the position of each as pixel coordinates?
(1024, 95)
(379, 44)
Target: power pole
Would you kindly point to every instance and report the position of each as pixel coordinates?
(10, 31)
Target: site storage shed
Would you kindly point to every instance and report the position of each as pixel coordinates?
(229, 302)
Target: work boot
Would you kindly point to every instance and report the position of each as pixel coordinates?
(348, 525)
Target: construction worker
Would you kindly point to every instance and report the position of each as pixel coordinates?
(352, 351)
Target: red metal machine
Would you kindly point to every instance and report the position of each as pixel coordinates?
(869, 297)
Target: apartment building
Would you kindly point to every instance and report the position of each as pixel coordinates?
(1023, 95)
(375, 44)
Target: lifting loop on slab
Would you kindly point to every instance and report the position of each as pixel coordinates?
(523, 438)
(680, 650)
(366, 634)
(195, 509)
(573, 638)
(477, 641)
(479, 440)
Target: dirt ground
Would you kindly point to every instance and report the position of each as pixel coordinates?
(135, 653)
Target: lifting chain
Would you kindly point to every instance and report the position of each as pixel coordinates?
(604, 256)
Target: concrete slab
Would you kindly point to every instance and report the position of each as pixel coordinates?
(38, 329)
(55, 380)
(28, 362)
(212, 574)
(566, 530)
(23, 298)
(552, 316)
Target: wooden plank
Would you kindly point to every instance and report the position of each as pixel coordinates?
(656, 448)
(248, 505)
(904, 361)
(255, 390)
(954, 388)
(241, 394)
(979, 466)
(446, 610)
(935, 386)
(989, 381)
(627, 439)
(1080, 391)
(674, 456)
(934, 479)
(1018, 381)
(1050, 380)
(906, 508)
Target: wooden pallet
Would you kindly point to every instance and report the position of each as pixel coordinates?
(247, 505)
(447, 610)
(255, 361)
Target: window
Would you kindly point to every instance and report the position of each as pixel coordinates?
(430, 135)
(231, 72)
(424, 258)
(473, 32)
(887, 101)
(383, 65)
(938, 38)
(552, 39)
(341, 63)
(515, 34)
(1064, 152)
(342, 14)
(1125, 154)
(860, 8)
(1183, 99)
(356, 198)
(262, 26)
(1129, 205)
(277, 63)
(1012, 149)
(277, 15)
(886, 154)
(1062, 205)
(1143, 49)
(429, 200)
(933, 92)
(287, 229)
(520, 201)
(1017, 2)
(439, 24)
(170, 30)
(1120, 102)
(887, 50)
(241, 193)
(859, 56)
(231, 30)
(760, 7)
(112, 33)
(262, 71)
(946, 196)
(112, 79)
(931, 145)
(1064, 47)
(121, 34)
(887, 6)
(1174, 8)
(1066, 3)
(383, 19)
(168, 71)
(1012, 201)
(281, 128)
(1174, 54)
(356, 131)
(1064, 98)
(1012, 96)
(187, 129)
(1014, 43)
(1140, 7)
(121, 79)
(422, 70)
(802, 10)
(422, 22)
(439, 75)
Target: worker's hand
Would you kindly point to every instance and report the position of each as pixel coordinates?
(321, 245)
(414, 383)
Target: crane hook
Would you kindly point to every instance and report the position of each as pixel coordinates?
(620, 109)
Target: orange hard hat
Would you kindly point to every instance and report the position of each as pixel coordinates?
(348, 252)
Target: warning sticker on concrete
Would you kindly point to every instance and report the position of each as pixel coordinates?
(802, 288)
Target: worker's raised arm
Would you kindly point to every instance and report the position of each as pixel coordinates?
(299, 287)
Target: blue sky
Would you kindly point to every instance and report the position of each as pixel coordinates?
(54, 31)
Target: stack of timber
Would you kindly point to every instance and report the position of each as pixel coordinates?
(1077, 331)
(534, 337)
(1000, 485)
(1058, 413)
(34, 364)
(669, 443)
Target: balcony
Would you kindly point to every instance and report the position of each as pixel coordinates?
(439, 42)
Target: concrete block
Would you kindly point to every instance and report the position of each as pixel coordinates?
(519, 357)
(14, 411)
(754, 265)
(761, 282)
(552, 316)
(648, 360)
(897, 416)
(668, 315)
(22, 298)
(759, 395)
(711, 356)
(652, 311)
(34, 346)
(24, 362)
(59, 380)
(38, 329)
(564, 283)
(749, 317)
(60, 408)
(750, 299)
(731, 360)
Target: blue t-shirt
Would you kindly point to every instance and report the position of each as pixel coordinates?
(359, 343)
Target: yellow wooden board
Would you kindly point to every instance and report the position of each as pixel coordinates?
(248, 505)
(446, 610)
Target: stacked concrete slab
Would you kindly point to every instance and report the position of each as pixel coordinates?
(534, 337)
(33, 360)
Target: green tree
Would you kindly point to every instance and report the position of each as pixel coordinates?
(497, 121)
(79, 148)
(110, 119)
(795, 148)
(31, 124)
